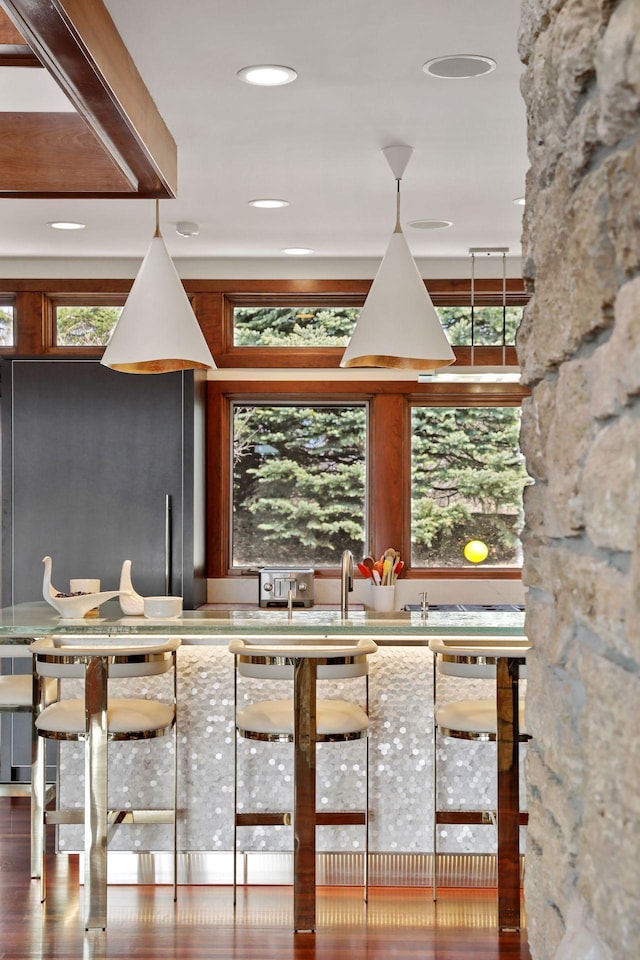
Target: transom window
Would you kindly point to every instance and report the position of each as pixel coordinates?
(486, 326)
(6, 325)
(332, 326)
(283, 326)
(84, 325)
(298, 483)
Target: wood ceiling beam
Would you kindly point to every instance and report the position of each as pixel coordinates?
(77, 42)
(64, 158)
(14, 52)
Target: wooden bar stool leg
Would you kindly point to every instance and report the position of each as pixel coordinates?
(508, 795)
(304, 804)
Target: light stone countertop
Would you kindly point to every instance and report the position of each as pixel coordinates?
(218, 626)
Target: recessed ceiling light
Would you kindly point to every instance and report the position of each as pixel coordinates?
(520, 201)
(459, 67)
(430, 224)
(297, 251)
(186, 228)
(268, 204)
(66, 225)
(267, 74)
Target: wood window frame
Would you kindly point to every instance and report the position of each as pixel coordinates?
(389, 435)
(389, 457)
(54, 301)
(9, 300)
(213, 302)
(343, 293)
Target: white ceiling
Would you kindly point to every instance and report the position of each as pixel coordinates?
(316, 142)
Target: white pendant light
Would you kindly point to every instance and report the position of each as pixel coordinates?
(157, 331)
(398, 325)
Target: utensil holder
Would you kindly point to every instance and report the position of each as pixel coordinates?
(382, 598)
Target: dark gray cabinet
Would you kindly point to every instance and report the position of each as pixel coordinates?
(98, 467)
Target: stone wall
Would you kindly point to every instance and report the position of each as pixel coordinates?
(579, 346)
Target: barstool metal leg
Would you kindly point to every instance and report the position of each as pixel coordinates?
(96, 791)
(366, 801)
(235, 780)
(175, 778)
(38, 781)
(435, 790)
(38, 793)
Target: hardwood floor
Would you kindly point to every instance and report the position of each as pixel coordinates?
(399, 923)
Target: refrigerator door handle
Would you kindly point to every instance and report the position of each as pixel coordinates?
(167, 545)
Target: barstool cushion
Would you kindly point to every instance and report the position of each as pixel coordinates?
(16, 690)
(333, 717)
(472, 716)
(125, 715)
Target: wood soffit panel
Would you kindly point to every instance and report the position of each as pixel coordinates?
(116, 144)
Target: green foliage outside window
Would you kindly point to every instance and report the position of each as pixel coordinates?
(293, 326)
(6, 326)
(467, 482)
(332, 326)
(298, 484)
(85, 326)
(487, 325)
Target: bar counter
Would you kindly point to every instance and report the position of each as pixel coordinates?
(400, 744)
(212, 625)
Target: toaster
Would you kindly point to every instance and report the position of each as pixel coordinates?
(274, 584)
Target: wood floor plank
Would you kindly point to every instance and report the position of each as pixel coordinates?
(145, 924)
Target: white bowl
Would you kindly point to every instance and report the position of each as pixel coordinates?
(84, 586)
(162, 608)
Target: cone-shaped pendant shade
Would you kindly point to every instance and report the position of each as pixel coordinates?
(157, 331)
(398, 325)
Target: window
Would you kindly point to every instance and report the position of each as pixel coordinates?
(491, 325)
(298, 483)
(6, 325)
(331, 326)
(291, 326)
(467, 477)
(82, 325)
(366, 465)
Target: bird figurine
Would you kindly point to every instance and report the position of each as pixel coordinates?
(131, 603)
(72, 607)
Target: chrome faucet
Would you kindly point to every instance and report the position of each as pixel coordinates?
(292, 582)
(346, 581)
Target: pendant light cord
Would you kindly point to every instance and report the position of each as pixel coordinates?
(473, 303)
(504, 309)
(398, 228)
(157, 233)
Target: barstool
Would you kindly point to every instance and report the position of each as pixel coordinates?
(464, 720)
(17, 695)
(304, 721)
(17, 689)
(96, 720)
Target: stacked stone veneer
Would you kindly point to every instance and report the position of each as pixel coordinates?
(579, 346)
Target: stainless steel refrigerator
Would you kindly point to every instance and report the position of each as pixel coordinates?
(99, 467)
